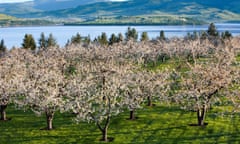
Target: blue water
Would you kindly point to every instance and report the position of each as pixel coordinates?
(13, 36)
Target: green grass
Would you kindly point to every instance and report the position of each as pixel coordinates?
(159, 124)
(6, 17)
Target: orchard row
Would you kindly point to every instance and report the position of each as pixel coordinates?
(97, 82)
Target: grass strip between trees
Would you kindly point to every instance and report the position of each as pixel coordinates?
(158, 124)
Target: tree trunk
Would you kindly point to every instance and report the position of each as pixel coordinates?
(201, 113)
(49, 117)
(149, 101)
(3, 112)
(132, 115)
(104, 130)
(200, 119)
(104, 135)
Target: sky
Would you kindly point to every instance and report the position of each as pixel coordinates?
(13, 1)
(118, 0)
(17, 1)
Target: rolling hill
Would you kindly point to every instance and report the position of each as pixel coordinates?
(49, 5)
(107, 11)
(197, 9)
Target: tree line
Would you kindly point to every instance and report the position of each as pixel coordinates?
(131, 34)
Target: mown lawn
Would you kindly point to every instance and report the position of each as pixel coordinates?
(159, 124)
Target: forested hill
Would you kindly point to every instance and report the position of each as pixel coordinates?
(203, 10)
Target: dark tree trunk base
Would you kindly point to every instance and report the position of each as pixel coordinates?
(132, 119)
(7, 119)
(205, 124)
(49, 119)
(3, 112)
(152, 105)
(132, 115)
(109, 139)
(149, 101)
(46, 129)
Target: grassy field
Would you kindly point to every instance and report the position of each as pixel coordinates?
(158, 124)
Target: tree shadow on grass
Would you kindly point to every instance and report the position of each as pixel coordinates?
(182, 132)
(197, 125)
(53, 137)
(109, 139)
(152, 132)
(162, 110)
(8, 119)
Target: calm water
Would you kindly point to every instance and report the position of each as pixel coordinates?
(13, 36)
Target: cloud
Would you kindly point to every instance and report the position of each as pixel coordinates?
(14, 1)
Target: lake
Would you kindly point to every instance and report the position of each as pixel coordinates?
(13, 36)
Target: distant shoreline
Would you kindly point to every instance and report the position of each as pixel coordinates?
(127, 24)
(96, 24)
(116, 24)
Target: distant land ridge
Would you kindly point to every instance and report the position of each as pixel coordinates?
(127, 12)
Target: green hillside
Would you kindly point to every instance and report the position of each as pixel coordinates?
(6, 17)
(136, 12)
(183, 10)
(6, 20)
